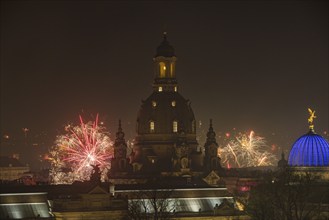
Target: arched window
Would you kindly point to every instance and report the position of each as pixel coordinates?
(173, 103)
(162, 67)
(152, 126)
(175, 126)
(172, 70)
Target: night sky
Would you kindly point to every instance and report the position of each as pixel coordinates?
(247, 65)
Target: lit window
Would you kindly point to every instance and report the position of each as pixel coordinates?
(162, 66)
(151, 126)
(175, 88)
(172, 70)
(173, 103)
(160, 88)
(175, 126)
(154, 103)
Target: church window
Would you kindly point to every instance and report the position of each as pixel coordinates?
(173, 103)
(162, 66)
(152, 126)
(160, 88)
(154, 104)
(172, 70)
(175, 126)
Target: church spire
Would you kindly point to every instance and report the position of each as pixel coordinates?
(211, 135)
(212, 161)
(120, 134)
(165, 35)
(120, 129)
(120, 146)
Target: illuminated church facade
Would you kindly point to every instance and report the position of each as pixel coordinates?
(166, 129)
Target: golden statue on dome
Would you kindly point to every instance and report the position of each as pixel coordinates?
(311, 118)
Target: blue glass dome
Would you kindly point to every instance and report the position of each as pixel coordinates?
(309, 150)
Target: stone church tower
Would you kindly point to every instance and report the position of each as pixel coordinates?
(120, 163)
(211, 160)
(166, 127)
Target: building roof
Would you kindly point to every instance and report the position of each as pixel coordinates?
(24, 206)
(165, 49)
(55, 190)
(310, 149)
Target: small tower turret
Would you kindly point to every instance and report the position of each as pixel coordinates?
(283, 163)
(212, 161)
(120, 146)
(120, 162)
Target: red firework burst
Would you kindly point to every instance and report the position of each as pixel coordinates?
(81, 148)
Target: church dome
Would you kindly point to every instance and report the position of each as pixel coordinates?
(166, 127)
(165, 108)
(310, 149)
(165, 49)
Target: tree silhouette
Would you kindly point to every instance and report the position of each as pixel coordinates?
(155, 202)
(287, 196)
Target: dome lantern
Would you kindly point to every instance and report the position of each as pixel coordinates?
(165, 49)
(165, 67)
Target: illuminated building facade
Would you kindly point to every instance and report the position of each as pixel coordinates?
(180, 198)
(11, 169)
(166, 126)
